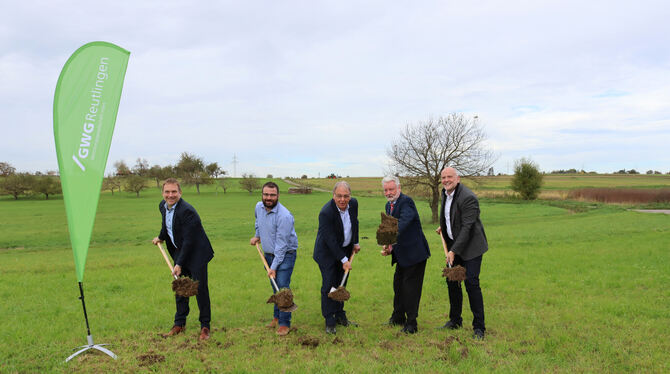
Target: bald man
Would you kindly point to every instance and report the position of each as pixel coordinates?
(464, 234)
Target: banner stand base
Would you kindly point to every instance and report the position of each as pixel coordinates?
(91, 345)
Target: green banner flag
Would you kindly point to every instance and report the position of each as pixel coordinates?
(85, 106)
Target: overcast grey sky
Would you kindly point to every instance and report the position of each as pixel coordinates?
(314, 87)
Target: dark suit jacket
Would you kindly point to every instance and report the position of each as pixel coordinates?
(412, 246)
(466, 227)
(329, 238)
(193, 247)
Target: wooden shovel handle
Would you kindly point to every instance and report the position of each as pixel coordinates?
(446, 251)
(267, 268)
(260, 253)
(351, 259)
(444, 245)
(166, 259)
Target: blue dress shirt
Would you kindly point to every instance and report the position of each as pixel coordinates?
(276, 230)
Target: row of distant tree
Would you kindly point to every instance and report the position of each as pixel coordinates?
(190, 169)
(622, 171)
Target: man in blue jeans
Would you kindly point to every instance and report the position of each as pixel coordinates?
(276, 233)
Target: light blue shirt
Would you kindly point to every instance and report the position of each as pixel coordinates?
(169, 217)
(346, 225)
(276, 230)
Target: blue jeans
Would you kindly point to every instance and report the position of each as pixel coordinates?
(283, 280)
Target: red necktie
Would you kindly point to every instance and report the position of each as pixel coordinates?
(391, 211)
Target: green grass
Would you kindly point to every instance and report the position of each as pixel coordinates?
(582, 289)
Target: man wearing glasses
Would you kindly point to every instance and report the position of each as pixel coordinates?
(276, 233)
(336, 240)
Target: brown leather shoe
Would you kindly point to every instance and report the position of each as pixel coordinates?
(283, 330)
(273, 324)
(175, 331)
(204, 333)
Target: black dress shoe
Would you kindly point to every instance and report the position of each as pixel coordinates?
(393, 322)
(409, 329)
(478, 334)
(346, 322)
(451, 325)
(331, 330)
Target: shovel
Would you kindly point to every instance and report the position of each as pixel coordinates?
(340, 293)
(183, 286)
(284, 298)
(455, 274)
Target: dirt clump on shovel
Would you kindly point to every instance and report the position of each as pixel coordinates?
(340, 294)
(455, 274)
(185, 286)
(387, 233)
(283, 299)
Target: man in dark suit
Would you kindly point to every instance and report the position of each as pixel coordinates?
(410, 253)
(466, 240)
(191, 251)
(336, 240)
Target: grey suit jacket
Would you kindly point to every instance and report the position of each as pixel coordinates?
(466, 227)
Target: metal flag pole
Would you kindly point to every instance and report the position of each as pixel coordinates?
(89, 337)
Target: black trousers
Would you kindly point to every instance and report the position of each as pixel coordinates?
(331, 276)
(472, 268)
(202, 298)
(407, 286)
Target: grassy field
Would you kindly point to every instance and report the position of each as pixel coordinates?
(563, 291)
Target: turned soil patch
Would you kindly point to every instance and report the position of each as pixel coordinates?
(150, 358)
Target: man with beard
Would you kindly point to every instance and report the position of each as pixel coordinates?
(276, 233)
(410, 253)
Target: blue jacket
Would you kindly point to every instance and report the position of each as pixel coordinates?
(193, 247)
(329, 238)
(412, 246)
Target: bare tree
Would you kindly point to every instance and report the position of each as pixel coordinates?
(249, 182)
(135, 183)
(424, 149)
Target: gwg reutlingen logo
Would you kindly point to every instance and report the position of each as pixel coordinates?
(90, 118)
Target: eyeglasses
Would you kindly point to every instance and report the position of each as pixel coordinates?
(340, 197)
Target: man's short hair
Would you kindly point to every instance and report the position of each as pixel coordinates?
(171, 181)
(342, 183)
(391, 178)
(271, 185)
